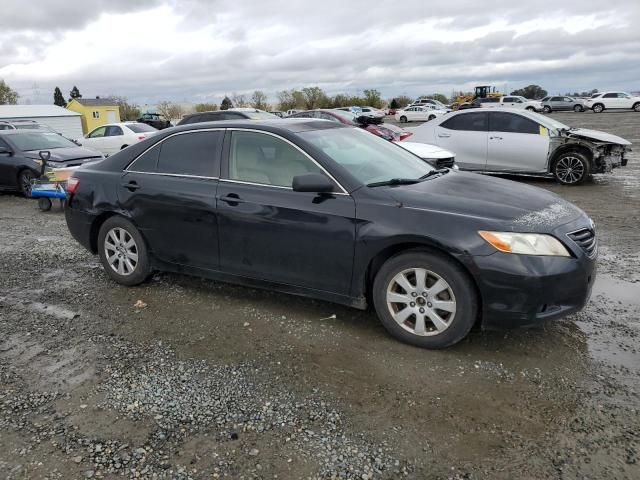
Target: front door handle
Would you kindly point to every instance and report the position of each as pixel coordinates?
(444, 135)
(231, 199)
(131, 186)
(495, 138)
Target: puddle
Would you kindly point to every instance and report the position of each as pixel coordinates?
(617, 290)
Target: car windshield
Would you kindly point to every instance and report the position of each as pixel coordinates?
(547, 121)
(366, 157)
(259, 115)
(41, 141)
(140, 127)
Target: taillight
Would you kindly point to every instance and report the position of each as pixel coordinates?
(404, 135)
(141, 137)
(72, 185)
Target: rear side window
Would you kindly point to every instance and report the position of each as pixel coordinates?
(511, 123)
(193, 153)
(147, 162)
(191, 119)
(140, 127)
(610, 95)
(474, 122)
(556, 99)
(113, 131)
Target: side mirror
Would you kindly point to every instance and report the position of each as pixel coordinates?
(5, 151)
(312, 182)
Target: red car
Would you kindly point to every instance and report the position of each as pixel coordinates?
(388, 132)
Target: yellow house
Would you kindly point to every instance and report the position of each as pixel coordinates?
(95, 112)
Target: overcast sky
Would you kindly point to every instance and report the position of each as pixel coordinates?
(198, 50)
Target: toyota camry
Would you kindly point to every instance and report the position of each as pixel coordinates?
(329, 211)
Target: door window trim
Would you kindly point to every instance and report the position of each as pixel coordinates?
(128, 169)
(313, 160)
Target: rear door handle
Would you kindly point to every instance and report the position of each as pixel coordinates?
(444, 135)
(232, 199)
(131, 186)
(495, 138)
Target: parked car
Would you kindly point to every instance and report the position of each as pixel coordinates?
(418, 114)
(20, 160)
(613, 101)
(155, 120)
(278, 114)
(509, 101)
(372, 112)
(324, 210)
(231, 114)
(437, 157)
(561, 103)
(429, 101)
(375, 126)
(113, 137)
(518, 141)
(292, 111)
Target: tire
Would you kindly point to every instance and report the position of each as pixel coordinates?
(531, 109)
(571, 168)
(598, 108)
(546, 109)
(457, 294)
(403, 119)
(123, 147)
(114, 238)
(578, 108)
(432, 117)
(636, 107)
(44, 204)
(24, 182)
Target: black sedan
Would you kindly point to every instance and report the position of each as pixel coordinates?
(20, 159)
(328, 211)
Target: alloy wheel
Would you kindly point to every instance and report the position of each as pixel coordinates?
(570, 170)
(121, 251)
(25, 182)
(421, 302)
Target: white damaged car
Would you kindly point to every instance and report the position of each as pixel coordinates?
(436, 156)
(516, 141)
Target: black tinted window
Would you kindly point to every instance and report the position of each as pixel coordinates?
(113, 131)
(192, 153)
(556, 99)
(610, 95)
(476, 122)
(147, 162)
(191, 119)
(511, 123)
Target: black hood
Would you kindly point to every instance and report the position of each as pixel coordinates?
(513, 205)
(66, 154)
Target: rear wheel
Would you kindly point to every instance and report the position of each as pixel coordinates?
(24, 182)
(123, 252)
(123, 147)
(598, 108)
(531, 109)
(425, 299)
(546, 109)
(431, 117)
(578, 108)
(571, 168)
(403, 119)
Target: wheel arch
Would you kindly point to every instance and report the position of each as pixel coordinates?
(99, 221)
(377, 260)
(568, 147)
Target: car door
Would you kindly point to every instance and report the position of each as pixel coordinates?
(8, 166)
(516, 143)
(96, 139)
(169, 191)
(611, 100)
(625, 100)
(113, 139)
(269, 232)
(510, 102)
(465, 134)
(568, 103)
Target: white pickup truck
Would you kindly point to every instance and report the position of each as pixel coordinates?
(511, 101)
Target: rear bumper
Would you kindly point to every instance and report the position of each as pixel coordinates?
(80, 225)
(523, 290)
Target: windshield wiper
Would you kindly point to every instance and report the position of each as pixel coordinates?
(394, 181)
(439, 171)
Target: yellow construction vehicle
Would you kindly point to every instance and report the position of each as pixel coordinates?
(482, 91)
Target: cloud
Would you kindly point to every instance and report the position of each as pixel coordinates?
(201, 50)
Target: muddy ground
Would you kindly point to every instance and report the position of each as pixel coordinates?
(189, 378)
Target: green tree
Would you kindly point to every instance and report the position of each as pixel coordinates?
(226, 104)
(286, 100)
(206, 107)
(58, 98)
(372, 98)
(259, 100)
(239, 100)
(403, 101)
(75, 93)
(440, 97)
(128, 111)
(394, 104)
(314, 97)
(8, 96)
(534, 92)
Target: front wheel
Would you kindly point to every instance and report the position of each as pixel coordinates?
(636, 107)
(571, 168)
(123, 252)
(531, 109)
(432, 117)
(578, 108)
(403, 119)
(24, 182)
(598, 108)
(425, 299)
(546, 109)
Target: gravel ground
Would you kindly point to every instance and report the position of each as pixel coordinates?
(189, 378)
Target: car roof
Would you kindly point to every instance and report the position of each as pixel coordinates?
(291, 125)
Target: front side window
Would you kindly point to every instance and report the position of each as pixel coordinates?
(610, 95)
(510, 99)
(511, 123)
(265, 159)
(556, 99)
(192, 153)
(623, 95)
(98, 132)
(474, 122)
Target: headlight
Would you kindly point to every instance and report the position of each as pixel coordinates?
(525, 243)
